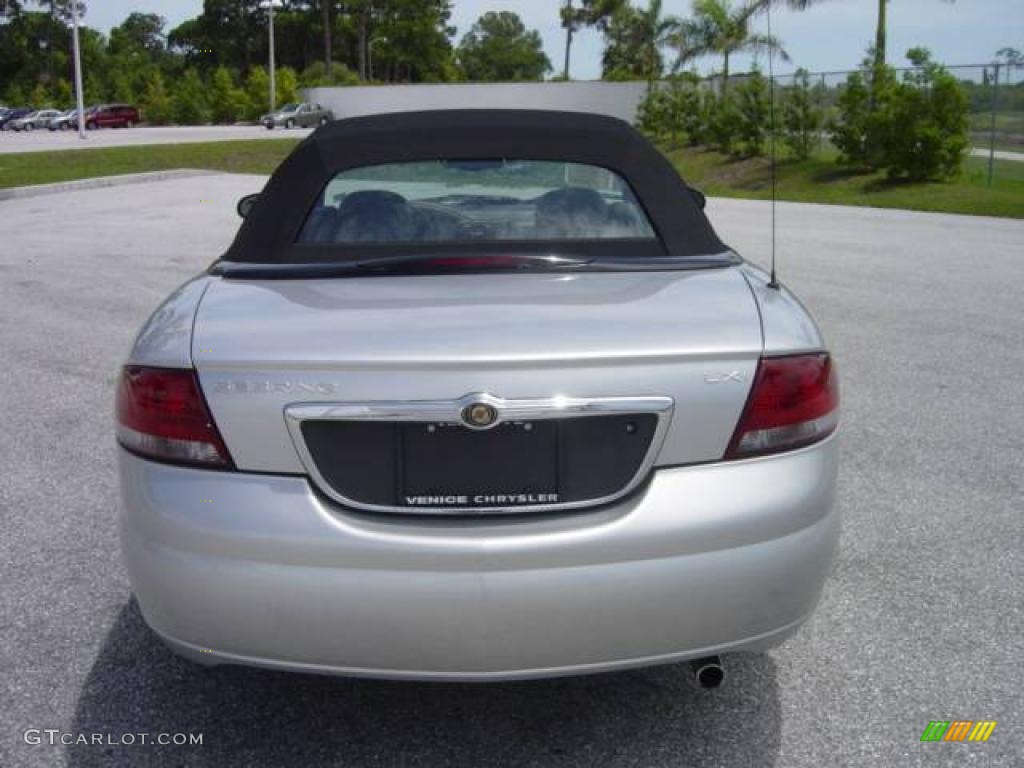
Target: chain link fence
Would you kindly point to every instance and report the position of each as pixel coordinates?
(995, 95)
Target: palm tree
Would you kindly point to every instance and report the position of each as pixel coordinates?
(570, 23)
(325, 7)
(881, 25)
(591, 13)
(722, 29)
(1011, 57)
(658, 31)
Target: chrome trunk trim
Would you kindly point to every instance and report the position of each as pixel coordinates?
(450, 412)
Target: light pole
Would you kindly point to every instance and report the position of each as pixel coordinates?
(270, 5)
(44, 46)
(80, 103)
(369, 55)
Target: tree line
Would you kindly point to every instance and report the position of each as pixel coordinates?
(913, 126)
(211, 67)
(340, 42)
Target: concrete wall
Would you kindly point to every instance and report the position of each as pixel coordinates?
(617, 99)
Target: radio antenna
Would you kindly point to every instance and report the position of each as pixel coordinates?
(773, 282)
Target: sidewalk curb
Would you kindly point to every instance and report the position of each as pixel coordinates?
(101, 182)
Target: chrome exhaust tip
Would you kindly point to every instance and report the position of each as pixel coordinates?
(708, 672)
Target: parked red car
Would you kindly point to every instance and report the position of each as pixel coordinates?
(111, 116)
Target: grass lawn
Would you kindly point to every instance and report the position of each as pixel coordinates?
(262, 156)
(818, 180)
(821, 180)
(1009, 130)
(1007, 121)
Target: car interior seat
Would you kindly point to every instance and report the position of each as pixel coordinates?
(320, 226)
(625, 220)
(570, 213)
(374, 216)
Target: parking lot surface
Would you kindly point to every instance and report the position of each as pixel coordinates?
(47, 141)
(923, 619)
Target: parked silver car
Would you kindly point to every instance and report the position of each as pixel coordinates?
(477, 395)
(64, 121)
(38, 119)
(300, 115)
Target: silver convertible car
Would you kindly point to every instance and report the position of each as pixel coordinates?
(477, 395)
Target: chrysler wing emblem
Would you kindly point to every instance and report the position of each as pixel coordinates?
(479, 416)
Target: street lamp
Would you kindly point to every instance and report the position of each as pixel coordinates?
(79, 99)
(44, 45)
(369, 54)
(270, 5)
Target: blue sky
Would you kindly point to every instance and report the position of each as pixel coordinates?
(833, 35)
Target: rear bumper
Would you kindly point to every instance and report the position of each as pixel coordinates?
(258, 569)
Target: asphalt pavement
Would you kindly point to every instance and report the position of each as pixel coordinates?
(1017, 157)
(922, 620)
(46, 140)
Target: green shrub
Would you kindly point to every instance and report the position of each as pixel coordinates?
(40, 97)
(157, 107)
(687, 109)
(189, 102)
(927, 123)
(616, 75)
(652, 114)
(802, 120)
(674, 111)
(316, 76)
(95, 88)
(228, 103)
(699, 123)
(750, 100)
(287, 85)
(914, 129)
(862, 115)
(723, 122)
(64, 94)
(257, 93)
(121, 88)
(14, 96)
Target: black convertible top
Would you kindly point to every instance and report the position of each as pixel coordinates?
(270, 231)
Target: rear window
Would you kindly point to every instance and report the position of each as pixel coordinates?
(476, 200)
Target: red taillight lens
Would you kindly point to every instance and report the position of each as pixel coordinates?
(794, 402)
(161, 413)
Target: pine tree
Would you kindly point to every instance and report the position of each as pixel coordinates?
(40, 97)
(257, 91)
(156, 103)
(801, 118)
(287, 85)
(121, 88)
(64, 96)
(190, 106)
(228, 103)
(752, 106)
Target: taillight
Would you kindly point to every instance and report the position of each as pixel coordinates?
(794, 402)
(161, 414)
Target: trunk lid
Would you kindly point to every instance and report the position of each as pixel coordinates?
(693, 336)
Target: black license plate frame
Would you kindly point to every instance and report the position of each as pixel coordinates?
(512, 465)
